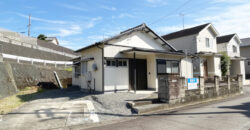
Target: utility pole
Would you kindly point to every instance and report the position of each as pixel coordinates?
(181, 14)
(29, 25)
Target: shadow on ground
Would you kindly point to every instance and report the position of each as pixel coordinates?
(71, 92)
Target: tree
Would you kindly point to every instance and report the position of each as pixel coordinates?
(41, 37)
(225, 64)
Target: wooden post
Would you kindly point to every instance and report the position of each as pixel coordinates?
(135, 72)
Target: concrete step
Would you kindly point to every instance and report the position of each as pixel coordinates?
(149, 108)
(142, 102)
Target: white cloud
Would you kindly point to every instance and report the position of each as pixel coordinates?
(74, 29)
(156, 3)
(229, 1)
(109, 8)
(73, 7)
(123, 15)
(234, 19)
(41, 19)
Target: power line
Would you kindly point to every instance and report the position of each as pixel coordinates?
(156, 21)
(182, 15)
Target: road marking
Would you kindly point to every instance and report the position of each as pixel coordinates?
(91, 108)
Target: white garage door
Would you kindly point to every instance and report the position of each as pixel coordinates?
(116, 75)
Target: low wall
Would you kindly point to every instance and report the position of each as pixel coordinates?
(177, 92)
(14, 77)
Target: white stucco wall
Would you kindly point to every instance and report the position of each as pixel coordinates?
(217, 66)
(230, 45)
(201, 41)
(185, 43)
(222, 47)
(96, 53)
(186, 68)
(151, 71)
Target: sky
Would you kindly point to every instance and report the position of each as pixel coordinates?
(78, 23)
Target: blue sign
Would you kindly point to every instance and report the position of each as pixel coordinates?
(192, 80)
(193, 83)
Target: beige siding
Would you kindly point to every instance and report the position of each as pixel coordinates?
(185, 43)
(201, 41)
(222, 47)
(230, 45)
(186, 68)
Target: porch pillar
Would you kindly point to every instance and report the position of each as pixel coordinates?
(134, 72)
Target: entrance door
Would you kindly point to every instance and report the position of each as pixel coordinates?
(205, 69)
(141, 74)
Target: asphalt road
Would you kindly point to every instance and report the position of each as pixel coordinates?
(230, 114)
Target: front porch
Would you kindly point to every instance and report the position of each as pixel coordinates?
(144, 65)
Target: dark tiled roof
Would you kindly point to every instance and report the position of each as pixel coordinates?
(245, 42)
(225, 38)
(46, 44)
(128, 31)
(185, 32)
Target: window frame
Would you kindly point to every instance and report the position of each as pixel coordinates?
(208, 43)
(167, 61)
(124, 62)
(235, 49)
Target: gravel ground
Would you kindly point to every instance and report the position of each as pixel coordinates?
(113, 106)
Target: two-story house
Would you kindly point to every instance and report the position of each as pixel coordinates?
(230, 44)
(131, 60)
(201, 42)
(245, 52)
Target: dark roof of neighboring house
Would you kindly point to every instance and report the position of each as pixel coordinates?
(140, 27)
(46, 44)
(225, 38)
(245, 42)
(185, 32)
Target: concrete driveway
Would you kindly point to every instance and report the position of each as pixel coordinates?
(50, 110)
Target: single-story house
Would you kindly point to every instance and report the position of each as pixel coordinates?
(131, 60)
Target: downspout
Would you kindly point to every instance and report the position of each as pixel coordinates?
(102, 66)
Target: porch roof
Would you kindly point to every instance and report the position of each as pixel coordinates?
(238, 58)
(142, 50)
(208, 54)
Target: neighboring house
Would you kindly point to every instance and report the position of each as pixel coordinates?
(200, 41)
(130, 60)
(52, 40)
(230, 44)
(245, 52)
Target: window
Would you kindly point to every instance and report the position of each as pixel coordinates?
(167, 67)
(77, 70)
(117, 63)
(234, 49)
(208, 43)
(248, 63)
(84, 67)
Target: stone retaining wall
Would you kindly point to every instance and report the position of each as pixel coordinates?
(176, 93)
(14, 77)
